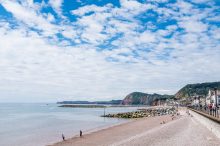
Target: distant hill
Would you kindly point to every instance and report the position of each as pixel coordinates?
(196, 89)
(139, 98)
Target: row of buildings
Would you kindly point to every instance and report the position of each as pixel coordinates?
(211, 100)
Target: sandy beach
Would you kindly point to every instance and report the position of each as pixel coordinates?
(183, 130)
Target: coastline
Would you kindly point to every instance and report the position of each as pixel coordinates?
(93, 130)
(114, 133)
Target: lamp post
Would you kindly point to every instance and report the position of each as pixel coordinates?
(104, 111)
(216, 101)
(189, 96)
(205, 104)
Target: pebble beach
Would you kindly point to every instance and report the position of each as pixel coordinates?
(163, 130)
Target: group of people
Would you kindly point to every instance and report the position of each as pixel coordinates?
(80, 134)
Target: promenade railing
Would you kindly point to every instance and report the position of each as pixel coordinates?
(210, 111)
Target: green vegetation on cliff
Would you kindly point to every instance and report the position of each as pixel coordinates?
(200, 89)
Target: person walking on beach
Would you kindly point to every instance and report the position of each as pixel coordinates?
(63, 137)
(80, 133)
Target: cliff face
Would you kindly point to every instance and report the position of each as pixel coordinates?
(136, 98)
(200, 89)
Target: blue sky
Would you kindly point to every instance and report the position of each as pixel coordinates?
(52, 50)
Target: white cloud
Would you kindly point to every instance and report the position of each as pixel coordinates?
(130, 4)
(215, 18)
(30, 17)
(184, 7)
(50, 17)
(147, 37)
(144, 57)
(56, 4)
(91, 8)
(193, 26)
(201, 1)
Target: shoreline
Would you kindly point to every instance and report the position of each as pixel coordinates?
(93, 130)
(90, 131)
(101, 135)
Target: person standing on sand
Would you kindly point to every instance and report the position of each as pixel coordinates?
(80, 133)
(63, 137)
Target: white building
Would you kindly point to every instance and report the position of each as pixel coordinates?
(211, 98)
(196, 101)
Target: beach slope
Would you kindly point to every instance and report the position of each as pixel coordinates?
(183, 130)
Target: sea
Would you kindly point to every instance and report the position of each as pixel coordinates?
(39, 124)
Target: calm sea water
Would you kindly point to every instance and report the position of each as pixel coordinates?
(41, 124)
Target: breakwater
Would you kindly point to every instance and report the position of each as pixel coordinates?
(82, 106)
(140, 113)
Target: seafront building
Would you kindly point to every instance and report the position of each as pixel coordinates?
(213, 97)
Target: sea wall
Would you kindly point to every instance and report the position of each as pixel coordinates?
(210, 123)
